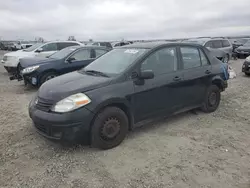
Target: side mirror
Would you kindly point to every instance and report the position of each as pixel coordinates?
(146, 74)
(39, 50)
(70, 59)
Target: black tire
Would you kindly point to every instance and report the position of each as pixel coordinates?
(47, 76)
(111, 118)
(247, 73)
(212, 99)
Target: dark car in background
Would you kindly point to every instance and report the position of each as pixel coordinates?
(220, 47)
(243, 50)
(238, 42)
(126, 87)
(38, 70)
(105, 44)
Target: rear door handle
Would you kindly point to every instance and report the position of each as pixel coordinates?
(208, 72)
(177, 78)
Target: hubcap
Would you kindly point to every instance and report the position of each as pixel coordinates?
(212, 99)
(110, 129)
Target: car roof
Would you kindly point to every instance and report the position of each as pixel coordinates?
(151, 45)
(91, 46)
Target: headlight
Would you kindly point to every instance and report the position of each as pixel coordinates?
(248, 59)
(71, 103)
(29, 69)
(5, 58)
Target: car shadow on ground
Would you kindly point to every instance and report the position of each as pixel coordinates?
(151, 126)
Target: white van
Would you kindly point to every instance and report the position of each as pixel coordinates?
(11, 60)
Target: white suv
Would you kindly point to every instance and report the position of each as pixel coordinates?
(11, 60)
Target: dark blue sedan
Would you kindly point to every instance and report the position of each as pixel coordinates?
(36, 71)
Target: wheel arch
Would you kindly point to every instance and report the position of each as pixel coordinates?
(46, 72)
(122, 104)
(218, 82)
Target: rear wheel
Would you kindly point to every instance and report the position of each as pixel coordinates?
(247, 73)
(47, 76)
(109, 128)
(212, 99)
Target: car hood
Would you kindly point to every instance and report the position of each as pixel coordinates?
(244, 48)
(20, 54)
(27, 62)
(63, 86)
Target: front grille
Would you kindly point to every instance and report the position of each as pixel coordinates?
(43, 104)
(41, 128)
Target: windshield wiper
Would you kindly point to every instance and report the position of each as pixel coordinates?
(94, 72)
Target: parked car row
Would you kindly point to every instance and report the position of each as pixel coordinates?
(220, 47)
(11, 60)
(14, 46)
(38, 70)
(95, 95)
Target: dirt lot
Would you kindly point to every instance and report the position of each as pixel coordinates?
(188, 150)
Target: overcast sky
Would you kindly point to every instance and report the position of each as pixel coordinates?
(117, 19)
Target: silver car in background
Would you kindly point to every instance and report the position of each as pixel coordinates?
(220, 47)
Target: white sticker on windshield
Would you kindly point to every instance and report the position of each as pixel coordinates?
(131, 51)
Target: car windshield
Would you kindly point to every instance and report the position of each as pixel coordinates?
(63, 53)
(33, 47)
(115, 62)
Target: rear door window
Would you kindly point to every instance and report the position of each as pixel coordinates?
(217, 44)
(190, 57)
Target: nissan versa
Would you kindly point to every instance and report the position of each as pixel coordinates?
(102, 102)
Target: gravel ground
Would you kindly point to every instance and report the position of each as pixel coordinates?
(187, 150)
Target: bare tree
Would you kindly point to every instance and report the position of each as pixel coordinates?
(39, 39)
(71, 38)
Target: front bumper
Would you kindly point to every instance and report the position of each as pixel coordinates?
(72, 127)
(11, 70)
(31, 78)
(246, 67)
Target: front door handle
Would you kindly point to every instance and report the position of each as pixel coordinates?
(208, 72)
(177, 78)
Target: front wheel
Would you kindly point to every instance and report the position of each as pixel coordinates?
(247, 73)
(109, 128)
(47, 76)
(212, 99)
